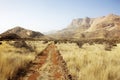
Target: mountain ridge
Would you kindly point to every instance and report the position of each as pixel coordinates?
(99, 27)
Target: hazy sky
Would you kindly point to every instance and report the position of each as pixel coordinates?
(46, 15)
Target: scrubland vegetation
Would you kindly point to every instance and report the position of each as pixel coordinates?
(91, 62)
(12, 59)
(86, 61)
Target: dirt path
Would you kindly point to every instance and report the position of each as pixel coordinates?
(48, 66)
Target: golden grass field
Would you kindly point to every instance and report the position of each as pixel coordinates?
(11, 58)
(90, 62)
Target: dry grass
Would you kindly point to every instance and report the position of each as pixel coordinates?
(38, 46)
(91, 62)
(11, 58)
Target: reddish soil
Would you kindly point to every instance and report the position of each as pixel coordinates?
(48, 65)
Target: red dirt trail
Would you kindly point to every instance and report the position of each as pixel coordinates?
(48, 65)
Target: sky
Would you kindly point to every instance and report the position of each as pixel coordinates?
(47, 15)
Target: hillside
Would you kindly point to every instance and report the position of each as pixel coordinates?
(101, 27)
(109, 22)
(105, 27)
(22, 33)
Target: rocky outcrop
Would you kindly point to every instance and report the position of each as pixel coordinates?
(83, 23)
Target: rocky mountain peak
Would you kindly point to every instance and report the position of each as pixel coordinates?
(81, 22)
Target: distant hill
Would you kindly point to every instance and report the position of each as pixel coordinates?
(101, 27)
(50, 32)
(23, 33)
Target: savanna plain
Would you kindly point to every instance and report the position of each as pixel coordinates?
(88, 62)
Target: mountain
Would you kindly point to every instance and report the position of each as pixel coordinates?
(101, 27)
(105, 27)
(109, 22)
(22, 33)
(76, 26)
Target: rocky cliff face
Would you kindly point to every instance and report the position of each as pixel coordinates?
(109, 22)
(104, 27)
(85, 22)
(23, 33)
(101, 27)
(76, 26)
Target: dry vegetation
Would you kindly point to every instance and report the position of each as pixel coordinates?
(12, 59)
(91, 62)
(38, 46)
(86, 62)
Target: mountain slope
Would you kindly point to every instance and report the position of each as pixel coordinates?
(101, 27)
(105, 27)
(76, 26)
(109, 22)
(23, 33)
